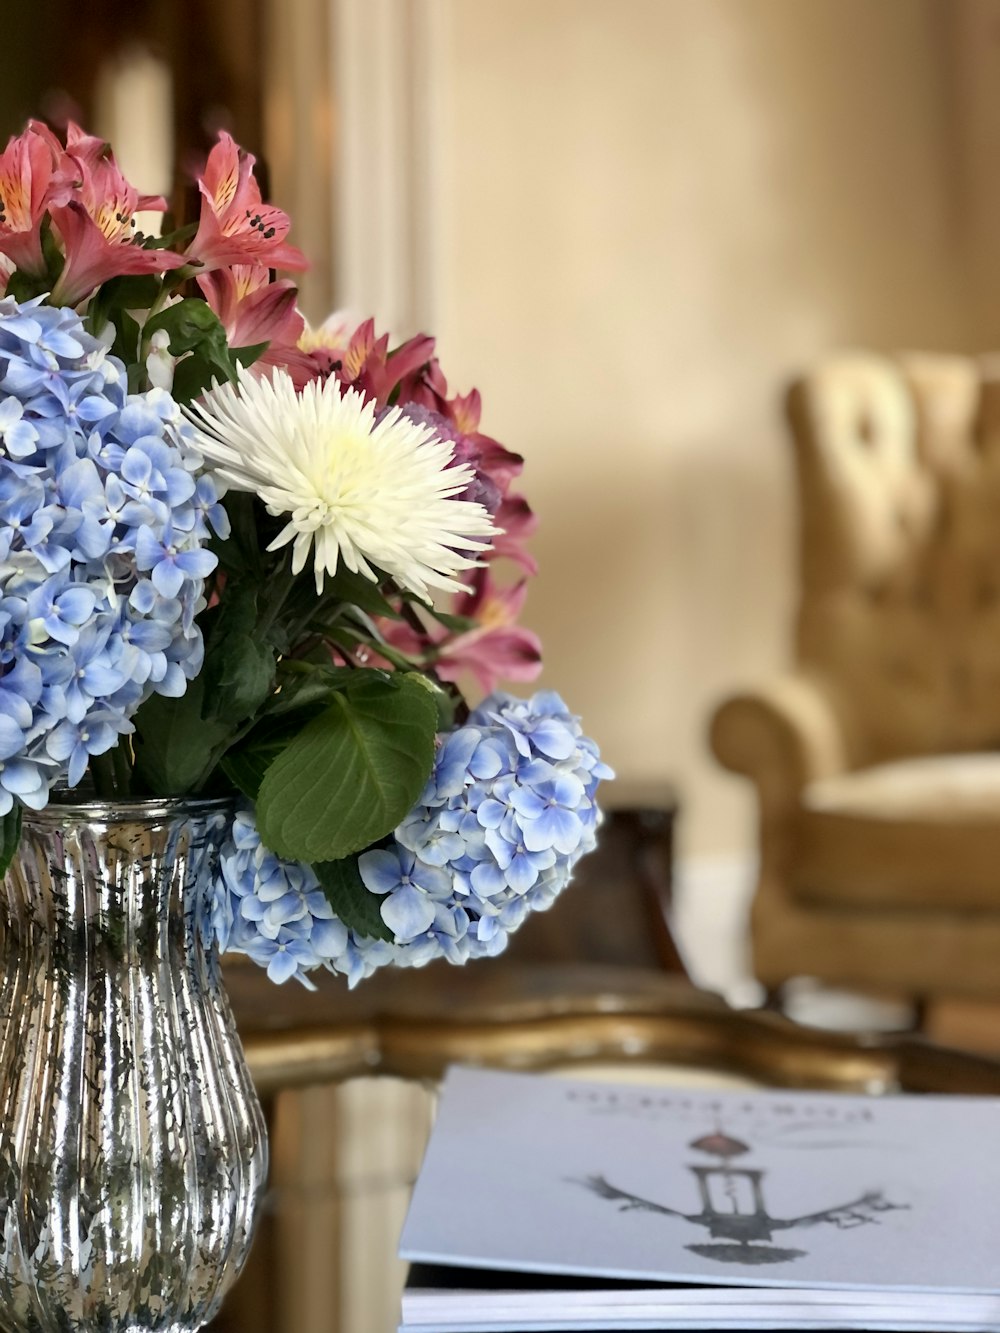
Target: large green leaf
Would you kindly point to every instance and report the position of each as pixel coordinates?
(356, 906)
(353, 773)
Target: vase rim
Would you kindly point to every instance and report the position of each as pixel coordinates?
(123, 810)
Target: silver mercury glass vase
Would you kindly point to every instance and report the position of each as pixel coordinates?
(133, 1151)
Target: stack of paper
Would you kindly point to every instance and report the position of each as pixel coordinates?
(548, 1204)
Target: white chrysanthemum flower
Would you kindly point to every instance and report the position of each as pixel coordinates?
(365, 492)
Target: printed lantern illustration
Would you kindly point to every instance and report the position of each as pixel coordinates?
(731, 1197)
(733, 1210)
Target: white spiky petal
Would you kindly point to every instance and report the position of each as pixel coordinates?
(369, 493)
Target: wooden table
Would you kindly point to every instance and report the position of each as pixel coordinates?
(413, 1024)
(312, 1270)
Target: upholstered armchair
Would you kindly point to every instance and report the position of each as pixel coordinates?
(877, 759)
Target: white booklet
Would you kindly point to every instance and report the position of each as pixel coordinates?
(550, 1204)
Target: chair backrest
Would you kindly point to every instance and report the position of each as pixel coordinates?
(899, 483)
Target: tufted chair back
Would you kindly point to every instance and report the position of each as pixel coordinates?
(899, 474)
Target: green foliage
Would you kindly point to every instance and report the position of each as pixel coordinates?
(239, 663)
(246, 356)
(457, 624)
(25, 287)
(307, 684)
(352, 773)
(355, 590)
(176, 749)
(305, 690)
(173, 239)
(240, 552)
(112, 303)
(346, 893)
(197, 335)
(247, 762)
(245, 768)
(10, 837)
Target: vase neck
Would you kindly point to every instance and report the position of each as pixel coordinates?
(133, 884)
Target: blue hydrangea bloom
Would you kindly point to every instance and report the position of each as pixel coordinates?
(103, 522)
(507, 812)
(275, 912)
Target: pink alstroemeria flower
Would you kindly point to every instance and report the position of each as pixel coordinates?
(254, 310)
(362, 361)
(235, 226)
(29, 181)
(498, 648)
(98, 228)
(517, 522)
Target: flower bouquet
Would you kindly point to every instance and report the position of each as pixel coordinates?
(162, 451)
(244, 568)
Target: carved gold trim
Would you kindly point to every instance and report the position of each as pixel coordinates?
(665, 1024)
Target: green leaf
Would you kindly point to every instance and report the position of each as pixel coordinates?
(131, 291)
(10, 837)
(344, 637)
(245, 769)
(353, 774)
(457, 624)
(357, 907)
(236, 613)
(355, 589)
(239, 661)
(172, 239)
(111, 303)
(192, 326)
(175, 747)
(192, 377)
(246, 356)
(25, 288)
(239, 676)
(55, 260)
(126, 343)
(303, 684)
(239, 553)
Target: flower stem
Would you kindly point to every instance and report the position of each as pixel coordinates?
(121, 762)
(102, 770)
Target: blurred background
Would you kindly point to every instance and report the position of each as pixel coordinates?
(630, 226)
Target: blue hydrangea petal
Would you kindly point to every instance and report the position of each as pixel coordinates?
(380, 871)
(407, 912)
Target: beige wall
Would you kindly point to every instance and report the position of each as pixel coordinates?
(629, 224)
(653, 212)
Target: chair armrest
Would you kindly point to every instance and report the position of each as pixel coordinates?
(783, 735)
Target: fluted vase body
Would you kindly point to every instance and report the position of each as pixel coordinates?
(133, 1152)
